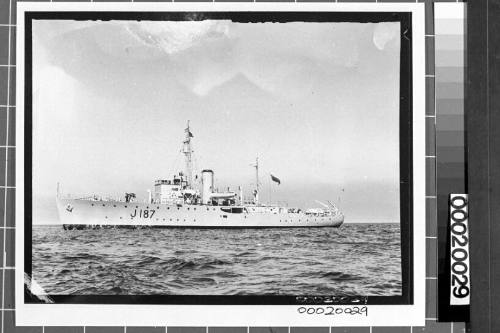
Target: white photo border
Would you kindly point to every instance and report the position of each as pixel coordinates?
(229, 315)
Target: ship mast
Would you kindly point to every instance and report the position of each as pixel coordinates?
(188, 152)
(256, 180)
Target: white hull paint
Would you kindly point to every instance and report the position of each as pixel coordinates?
(90, 213)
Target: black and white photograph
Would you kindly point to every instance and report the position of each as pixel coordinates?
(219, 157)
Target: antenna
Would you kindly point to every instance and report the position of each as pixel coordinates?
(270, 183)
(257, 174)
(323, 204)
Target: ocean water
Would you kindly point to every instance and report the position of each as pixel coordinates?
(355, 259)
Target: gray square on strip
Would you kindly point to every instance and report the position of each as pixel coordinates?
(10, 235)
(432, 326)
(431, 262)
(309, 329)
(350, 330)
(3, 125)
(391, 329)
(9, 302)
(4, 51)
(134, 329)
(227, 330)
(63, 329)
(431, 298)
(268, 330)
(3, 85)
(10, 204)
(431, 217)
(104, 329)
(187, 329)
(10, 326)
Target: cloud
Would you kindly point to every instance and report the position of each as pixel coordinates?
(173, 37)
(281, 59)
(384, 33)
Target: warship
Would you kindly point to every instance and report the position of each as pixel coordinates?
(186, 202)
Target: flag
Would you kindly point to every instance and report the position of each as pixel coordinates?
(275, 179)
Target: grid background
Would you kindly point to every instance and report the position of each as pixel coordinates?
(7, 197)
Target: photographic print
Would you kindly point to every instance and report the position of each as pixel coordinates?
(219, 157)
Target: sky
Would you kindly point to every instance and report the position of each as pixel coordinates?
(318, 103)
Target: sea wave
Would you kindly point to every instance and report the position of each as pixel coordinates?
(356, 259)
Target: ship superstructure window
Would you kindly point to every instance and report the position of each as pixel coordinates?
(232, 210)
(237, 210)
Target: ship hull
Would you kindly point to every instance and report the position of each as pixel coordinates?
(79, 213)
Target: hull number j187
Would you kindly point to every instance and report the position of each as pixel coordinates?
(146, 213)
